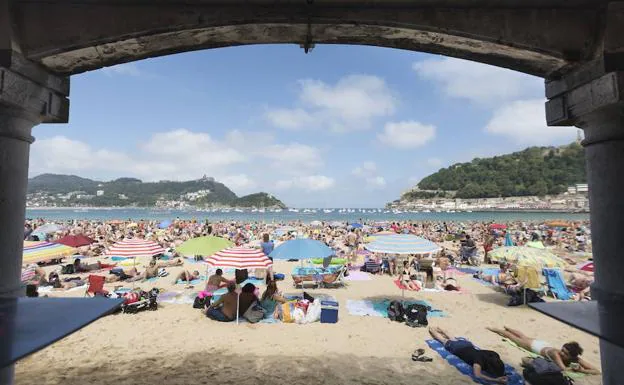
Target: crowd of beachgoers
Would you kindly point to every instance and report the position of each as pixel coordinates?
(461, 245)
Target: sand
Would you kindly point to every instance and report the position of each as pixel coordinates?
(178, 345)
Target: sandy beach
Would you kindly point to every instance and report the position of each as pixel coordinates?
(178, 345)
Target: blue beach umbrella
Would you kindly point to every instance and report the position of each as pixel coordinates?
(302, 248)
(356, 225)
(164, 224)
(402, 244)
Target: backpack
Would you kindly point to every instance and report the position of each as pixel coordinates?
(535, 378)
(200, 303)
(544, 366)
(416, 315)
(396, 312)
(68, 269)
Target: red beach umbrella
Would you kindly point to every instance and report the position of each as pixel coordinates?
(498, 226)
(240, 258)
(75, 240)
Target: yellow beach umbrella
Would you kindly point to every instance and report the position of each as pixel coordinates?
(44, 251)
(527, 256)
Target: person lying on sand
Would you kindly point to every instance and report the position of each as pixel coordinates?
(504, 278)
(568, 355)
(216, 281)
(480, 360)
(186, 276)
(406, 280)
(224, 309)
(580, 284)
(57, 284)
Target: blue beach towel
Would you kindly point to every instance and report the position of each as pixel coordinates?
(153, 279)
(381, 307)
(557, 285)
(488, 271)
(513, 377)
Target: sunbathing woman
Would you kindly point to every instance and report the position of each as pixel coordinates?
(569, 355)
(57, 284)
(480, 360)
(186, 276)
(405, 279)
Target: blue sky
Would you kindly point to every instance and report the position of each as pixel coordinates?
(343, 126)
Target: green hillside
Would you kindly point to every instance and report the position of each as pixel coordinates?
(138, 193)
(534, 171)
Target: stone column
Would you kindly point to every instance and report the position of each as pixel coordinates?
(28, 96)
(604, 158)
(597, 106)
(15, 139)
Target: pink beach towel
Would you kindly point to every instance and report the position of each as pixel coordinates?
(401, 286)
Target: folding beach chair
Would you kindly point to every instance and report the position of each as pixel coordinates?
(96, 286)
(340, 279)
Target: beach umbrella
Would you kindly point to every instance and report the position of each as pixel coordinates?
(75, 240)
(527, 256)
(557, 224)
(535, 245)
(283, 230)
(239, 258)
(48, 228)
(402, 244)
(316, 223)
(135, 247)
(498, 226)
(44, 251)
(302, 248)
(586, 266)
(356, 225)
(337, 224)
(164, 224)
(203, 246)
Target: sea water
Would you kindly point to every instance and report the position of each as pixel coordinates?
(327, 215)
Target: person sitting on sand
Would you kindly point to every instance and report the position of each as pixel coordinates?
(580, 284)
(33, 274)
(247, 298)
(568, 355)
(406, 280)
(216, 281)
(270, 298)
(186, 276)
(480, 360)
(153, 269)
(224, 309)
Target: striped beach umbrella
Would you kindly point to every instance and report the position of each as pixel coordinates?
(135, 247)
(402, 244)
(527, 256)
(44, 251)
(240, 258)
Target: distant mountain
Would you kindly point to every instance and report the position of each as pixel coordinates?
(75, 190)
(533, 171)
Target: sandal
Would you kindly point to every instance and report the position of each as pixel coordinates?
(417, 353)
(422, 359)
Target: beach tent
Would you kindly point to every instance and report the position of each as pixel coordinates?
(527, 256)
(45, 251)
(203, 246)
(302, 248)
(135, 247)
(75, 240)
(239, 258)
(402, 244)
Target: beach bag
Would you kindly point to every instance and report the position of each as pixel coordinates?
(314, 312)
(396, 312)
(544, 366)
(68, 269)
(201, 302)
(131, 297)
(287, 310)
(254, 313)
(298, 315)
(416, 315)
(535, 378)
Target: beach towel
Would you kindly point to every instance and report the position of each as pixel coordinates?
(487, 271)
(379, 308)
(468, 270)
(568, 373)
(556, 284)
(514, 378)
(193, 282)
(401, 286)
(153, 279)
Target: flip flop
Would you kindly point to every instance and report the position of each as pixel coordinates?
(417, 353)
(422, 359)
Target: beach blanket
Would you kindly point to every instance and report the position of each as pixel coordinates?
(567, 373)
(177, 297)
(556, 284)
(514, 378)
(379, 308)
(358, 276)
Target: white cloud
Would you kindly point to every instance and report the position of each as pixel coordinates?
(239, 183)
(434, 162)
(306, 183)
(406, 134)
(293, 156)
(376, 181)
(477, 82)
(366, 169)
(289, 119)
(352, 104)
(523, 121)
(129, 69)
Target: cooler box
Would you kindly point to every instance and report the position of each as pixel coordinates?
(329, 312)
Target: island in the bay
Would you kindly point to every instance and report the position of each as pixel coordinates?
(537, 178)
(54, 190)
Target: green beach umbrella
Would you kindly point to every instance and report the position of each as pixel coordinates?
(203, 246)
(527, 256)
